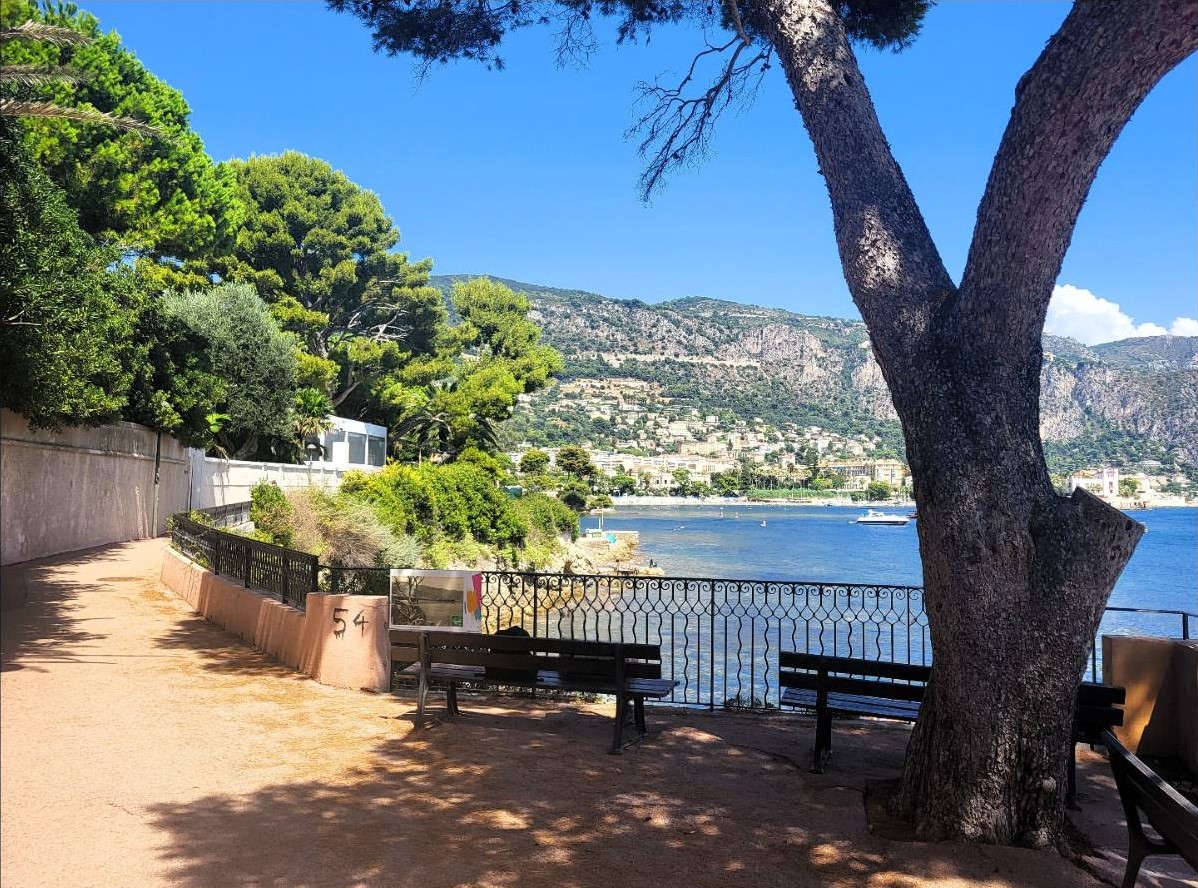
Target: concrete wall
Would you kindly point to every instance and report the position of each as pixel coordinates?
(83, 487)
(340, 640)
(218, 482)
(1160, 717)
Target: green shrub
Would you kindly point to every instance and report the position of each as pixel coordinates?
(547, 515)
(271, 512)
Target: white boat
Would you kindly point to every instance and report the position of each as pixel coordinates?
(763, 524)
(872, 517)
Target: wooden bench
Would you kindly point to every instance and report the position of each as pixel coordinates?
(1168, 812)
(840, 686)
(630, 672)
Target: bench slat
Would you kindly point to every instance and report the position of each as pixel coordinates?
(841, 704)
(548, 679)
(515, 643)
(862, 686)
(850, 666)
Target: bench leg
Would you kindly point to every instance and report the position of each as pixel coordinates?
(617, 743)
(1136, 852)
(451, 699)
(638, 706)
(823, 740)
(421, 697)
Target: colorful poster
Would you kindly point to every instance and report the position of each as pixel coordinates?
(445, 598)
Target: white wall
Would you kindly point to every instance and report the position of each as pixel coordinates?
(218, 482)
(83, 487)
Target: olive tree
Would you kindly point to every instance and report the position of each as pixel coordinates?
(1016, 576)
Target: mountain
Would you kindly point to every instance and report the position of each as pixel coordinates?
(1119, 402)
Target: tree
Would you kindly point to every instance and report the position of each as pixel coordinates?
(534, 462)
(1128, 487)
(877, 491)
(1016, 577)
(161, 197)
(248, 351)
(575, 462)
(63, 319)
(574, 493)
(317, 247)
(682, 482)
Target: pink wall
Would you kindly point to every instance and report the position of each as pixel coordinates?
(340, 640)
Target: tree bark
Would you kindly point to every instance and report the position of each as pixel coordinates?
(1015, 577)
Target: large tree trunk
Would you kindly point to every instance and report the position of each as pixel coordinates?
(1015, 576)
(1015, 579)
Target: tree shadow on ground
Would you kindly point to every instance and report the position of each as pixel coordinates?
(529, 797)
(44, 625)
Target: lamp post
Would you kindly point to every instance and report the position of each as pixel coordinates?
(312, 448)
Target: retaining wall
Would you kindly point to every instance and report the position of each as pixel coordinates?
(219, 482)
(340, 640)
(83, 487)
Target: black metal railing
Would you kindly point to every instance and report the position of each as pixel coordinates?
(275, 569)
(720, 638)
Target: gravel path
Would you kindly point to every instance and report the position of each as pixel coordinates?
(142, 746)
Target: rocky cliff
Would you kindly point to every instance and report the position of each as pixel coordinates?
(1119, 402)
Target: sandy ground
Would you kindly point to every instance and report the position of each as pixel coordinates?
(142, 746)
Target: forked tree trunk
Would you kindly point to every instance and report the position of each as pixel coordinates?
(1015, 576)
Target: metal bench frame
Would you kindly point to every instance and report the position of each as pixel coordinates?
(629, 672)
(843, 686)
(1172, 815)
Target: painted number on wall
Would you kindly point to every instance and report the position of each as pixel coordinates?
(339, 626)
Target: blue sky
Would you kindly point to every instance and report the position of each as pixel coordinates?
(525, 173)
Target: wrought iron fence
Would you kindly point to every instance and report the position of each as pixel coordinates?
(720, 638)
(281, 571)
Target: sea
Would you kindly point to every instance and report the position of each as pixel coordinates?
(824, 544)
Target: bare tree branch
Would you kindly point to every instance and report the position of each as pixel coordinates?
(1069, 109)
(676, 129)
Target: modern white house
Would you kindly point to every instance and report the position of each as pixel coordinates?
(350, 444)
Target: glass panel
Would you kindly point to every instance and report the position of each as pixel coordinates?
(331, 437)
(357, 449)
(376, 450)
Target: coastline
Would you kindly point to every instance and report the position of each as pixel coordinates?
(641, 501)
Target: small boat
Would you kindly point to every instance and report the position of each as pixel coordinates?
(913, 515)
(763, 524)
(872, 517)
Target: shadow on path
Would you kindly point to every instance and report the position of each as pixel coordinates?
(529, 798)
(46, 627)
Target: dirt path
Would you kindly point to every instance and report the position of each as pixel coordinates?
(142, 746)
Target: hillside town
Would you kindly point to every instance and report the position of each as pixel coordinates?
(659, 446)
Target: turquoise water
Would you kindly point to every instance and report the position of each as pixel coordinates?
(824, 544)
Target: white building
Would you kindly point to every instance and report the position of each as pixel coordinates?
(352, 444)
(1103, 483)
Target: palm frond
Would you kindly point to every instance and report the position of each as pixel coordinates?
(32, 30)
(20, 108)
(40, 75)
